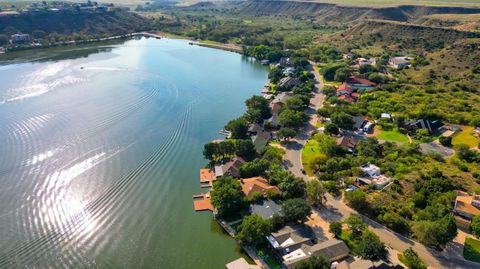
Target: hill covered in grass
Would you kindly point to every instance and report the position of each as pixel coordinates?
(115, 22)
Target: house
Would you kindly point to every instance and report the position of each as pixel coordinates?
(430, 126)
(332, 250)
(365, 264)
(285, 62)
(378, 181)
(241, 263)
(386, 116)
(276, 105)
(265, 62)
(289, 71)
(467, 206)
(257, 184)
(370, 170)
(254, 128)
(347, 142)
(230, 168)
(290, 238)
(368, 127)
(20, 38)
(345, 92)
(363, 61)
(359, 122)
(399, 62)
(260, 140)
(265, 208)
(360, 83)
(287, 83)
(265, 89)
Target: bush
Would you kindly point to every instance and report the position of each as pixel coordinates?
(446, 141)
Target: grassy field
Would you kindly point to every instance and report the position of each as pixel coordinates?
(309, 153)
(466, 137)
(471, 251)
(390, 3)
(393, 135)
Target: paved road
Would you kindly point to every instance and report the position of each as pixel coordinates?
(336, 210)
(293, 156)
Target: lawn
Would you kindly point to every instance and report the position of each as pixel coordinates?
(309, 153)
(466, 137)
(393, 135)
(471, 251)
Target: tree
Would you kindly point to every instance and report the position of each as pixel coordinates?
(329, 70)
(342, 74)
(238, 127)
(356, 226)
(38, 34)
(329, 91)
(371, 248)
(369, 148)
(411, 259)
(285, 133)
(295, 210)
(290, 185)
(331, 129)
(257, 109)
(465, 153)
(475, 225)
(245, 148)
(313, 262)
(295, 103)
(315, 193)
(227, 196)
(435, 233)
(275, 74)
(3, 40)
(257, 167)
(253, 231)
(446, 141)
(336, 228)
(356, 199)
(292, 119)
(367, 68)
(343, 120)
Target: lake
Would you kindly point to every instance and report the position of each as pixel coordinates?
(100, 155)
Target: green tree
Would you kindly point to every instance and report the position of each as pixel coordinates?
(227, 196)
(245, 148)
(286, 133)
(446, 141)
(257, 167)
(313, 262)
(356, 226)
(238, 127)
(3, 40)
(290, 185)
(343, 120)
(411, 259)
(329, 91)
(367, 68)
(435, 233)
(295, 210)
(275, 74)
(341, 74)
(475, 225)
(292, 119)
(331, 129)
(336, 228)
(253, 231)
(257, 109)
(295, 103)
(356, 199)
(315, 193)
(371, 248)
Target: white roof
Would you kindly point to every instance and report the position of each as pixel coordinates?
(294, 255)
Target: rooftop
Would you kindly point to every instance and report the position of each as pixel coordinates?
(241, 263)
(265, 209)
(257, 184)
(469, 204)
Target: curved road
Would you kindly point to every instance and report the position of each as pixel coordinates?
(336, 210)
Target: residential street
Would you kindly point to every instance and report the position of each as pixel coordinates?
(336, 210)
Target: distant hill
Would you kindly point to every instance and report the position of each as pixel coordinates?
(108, 23)
(336, 13)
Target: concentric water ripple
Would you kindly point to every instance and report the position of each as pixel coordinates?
(100, 156)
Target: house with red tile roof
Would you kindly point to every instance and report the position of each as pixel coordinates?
(257, 184)
(360, 83)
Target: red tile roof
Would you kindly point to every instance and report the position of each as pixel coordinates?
(257, 184)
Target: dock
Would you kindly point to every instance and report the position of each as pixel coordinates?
(202, 202)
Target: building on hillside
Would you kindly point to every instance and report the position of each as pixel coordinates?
(378, 181)
(345, 92)
(399, 62)
(370, 170)
(430, 126)
(467, 206)
(347, 142)
(265, 208)
(241, 263)
(230, 168)
(287, 83)
(257, 184)
(363, 61)
(360, 83)
(20, 38)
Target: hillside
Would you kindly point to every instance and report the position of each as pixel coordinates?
(331, 12)
(398, 36)
(109, 23)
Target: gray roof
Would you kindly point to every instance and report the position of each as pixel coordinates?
(282, 97)
(332, 249)
(265, 209)
(290, 238)
(261, 140)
